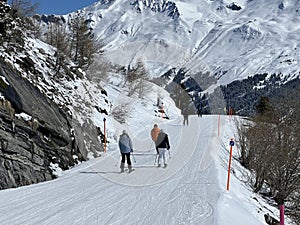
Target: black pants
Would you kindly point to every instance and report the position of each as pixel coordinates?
(127, 156)
(185, 120)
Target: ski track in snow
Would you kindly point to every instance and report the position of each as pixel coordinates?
(186, 192)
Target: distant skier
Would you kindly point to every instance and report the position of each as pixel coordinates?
(125, 145)
(199, 110)
(154, 133)
(159, 103)
(163, 145)
(185, 114)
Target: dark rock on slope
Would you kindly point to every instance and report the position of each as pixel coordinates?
(26, 152)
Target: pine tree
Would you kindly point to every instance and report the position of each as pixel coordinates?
(264, 106)
(83, 46)
(137, 77)
(23, 8)
(10, 27)
(60, 42)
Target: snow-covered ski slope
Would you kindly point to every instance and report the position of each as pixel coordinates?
(191, 190)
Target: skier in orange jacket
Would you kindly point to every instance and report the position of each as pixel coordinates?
(154, 134)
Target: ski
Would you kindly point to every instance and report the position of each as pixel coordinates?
(160, 166)
(126, 171)
(142, 151)
(141, 154)
(130, 171)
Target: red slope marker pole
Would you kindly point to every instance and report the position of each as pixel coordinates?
(231, 143)
(104, 121)
(162, 110)
(281, 210)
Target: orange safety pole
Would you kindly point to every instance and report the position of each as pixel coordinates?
(104, 120)
(231, 143)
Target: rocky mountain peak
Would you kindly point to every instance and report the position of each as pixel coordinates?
(161, 6)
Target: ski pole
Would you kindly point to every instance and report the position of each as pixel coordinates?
(133, 158)
(151, 145)
(120, 156)
(155, 159)
(169, 154)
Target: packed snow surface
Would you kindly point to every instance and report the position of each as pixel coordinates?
(190, 190)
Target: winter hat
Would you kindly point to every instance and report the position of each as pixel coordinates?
(124, 132)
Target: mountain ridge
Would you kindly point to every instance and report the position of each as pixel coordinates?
(208, 33)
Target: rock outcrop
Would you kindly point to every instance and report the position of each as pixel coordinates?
(27, 150)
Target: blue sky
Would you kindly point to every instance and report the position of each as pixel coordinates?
(60, 7)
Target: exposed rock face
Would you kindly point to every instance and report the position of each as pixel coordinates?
(234, 6)
(271, 220)
(27, 151)
(167, 7)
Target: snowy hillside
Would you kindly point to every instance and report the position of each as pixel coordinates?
(229, 40)
(71, 90)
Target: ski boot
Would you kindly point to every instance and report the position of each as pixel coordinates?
(122, 167)
(130, 169)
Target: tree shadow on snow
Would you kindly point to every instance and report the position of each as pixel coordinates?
(100, 172)
(145, 166)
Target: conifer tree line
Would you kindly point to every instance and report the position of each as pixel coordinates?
(270, 147)
(73, 39)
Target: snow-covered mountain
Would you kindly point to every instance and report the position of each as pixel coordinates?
(203, 45)
(230, 40)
